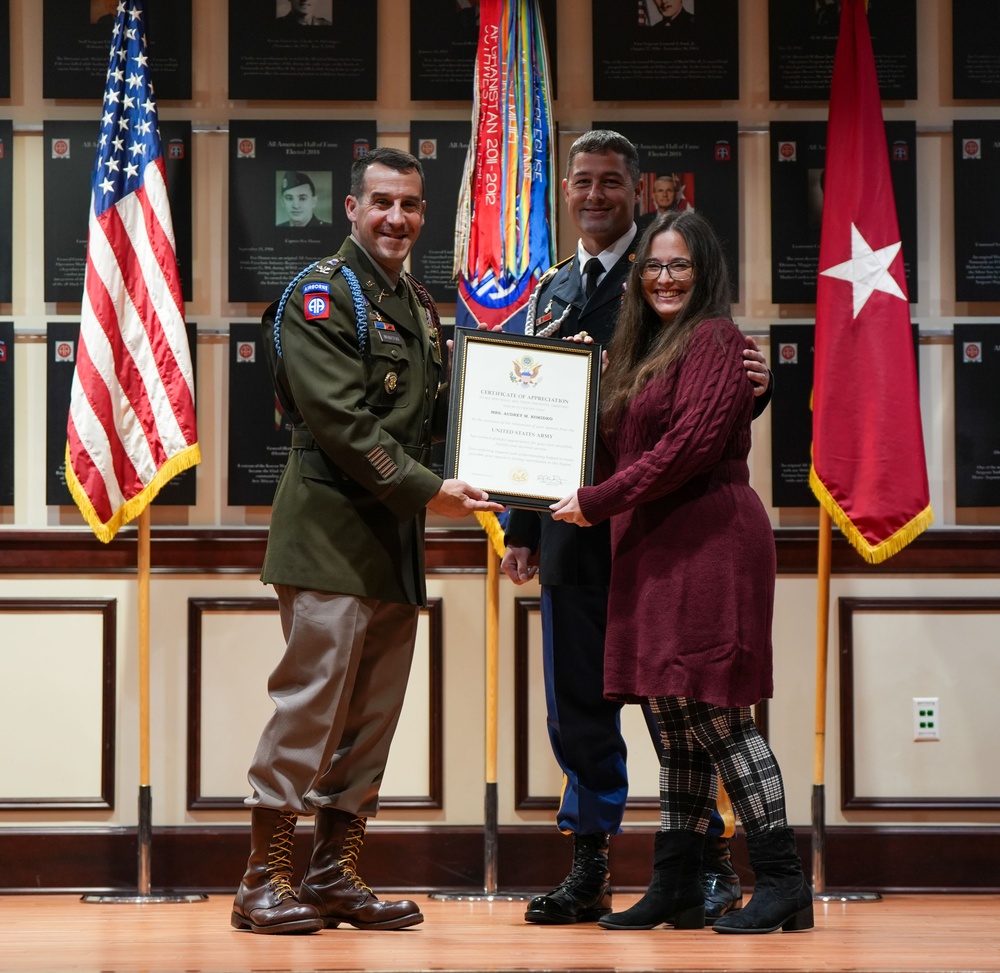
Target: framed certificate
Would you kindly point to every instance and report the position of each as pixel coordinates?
(522, 423)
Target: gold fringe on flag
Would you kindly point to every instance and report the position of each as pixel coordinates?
(185, 459)
(872, 553)
(488, 521)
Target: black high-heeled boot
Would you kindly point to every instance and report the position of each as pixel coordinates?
(781, 896)
(674, 895)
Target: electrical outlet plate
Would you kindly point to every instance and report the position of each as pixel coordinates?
(926, 719)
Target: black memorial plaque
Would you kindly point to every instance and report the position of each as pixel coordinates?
(6, 210)
(687, 52)
(701, 160)
(798, 161)
(975, 39)
(69, 152)
(4, 48)
(803, 38)
(6, 413)
(274, 56)
(976, 153)
(182, 490)
(280, 174)
(444, 40)
(259, 432)
(792, 357)
(977, 419)
(442, 148)
(77, 38)
(61, 342)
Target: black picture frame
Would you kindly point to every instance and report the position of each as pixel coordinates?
(512, 418)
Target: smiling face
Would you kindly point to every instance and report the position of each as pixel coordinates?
(665, 295)
(600, 197)
(387, 215)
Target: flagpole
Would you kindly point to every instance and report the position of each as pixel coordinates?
(820, 892)
(490, 827)
(819, 739)
(144, 841)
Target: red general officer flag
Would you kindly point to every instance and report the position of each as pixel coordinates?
(131, 417)
(868, 466)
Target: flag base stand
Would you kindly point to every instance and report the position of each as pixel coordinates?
(143, 895)
(490, 892)
(151, 899)
(820, 892)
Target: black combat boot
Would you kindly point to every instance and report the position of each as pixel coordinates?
(265, 901)
(781, 896)
(585, 894)
(719, 880)
(333, 885)
(674, 895)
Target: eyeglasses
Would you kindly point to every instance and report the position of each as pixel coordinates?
(676, 269)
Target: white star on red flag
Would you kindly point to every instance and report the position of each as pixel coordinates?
(867, 270)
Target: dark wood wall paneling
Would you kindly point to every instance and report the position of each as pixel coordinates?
(419, 859)
(958, 550)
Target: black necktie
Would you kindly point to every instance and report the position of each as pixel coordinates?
(591, 271)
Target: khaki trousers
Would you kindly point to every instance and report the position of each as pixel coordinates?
(337, 693)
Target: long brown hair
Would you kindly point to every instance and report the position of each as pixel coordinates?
(642, 345)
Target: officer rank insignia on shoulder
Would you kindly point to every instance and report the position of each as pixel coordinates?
(316, 300)
(328, 266)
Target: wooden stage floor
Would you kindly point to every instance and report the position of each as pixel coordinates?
(913, 933)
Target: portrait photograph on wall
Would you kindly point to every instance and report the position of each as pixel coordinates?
(259, 433)
(699, 161)
(287, 186)
(666, 50)
(441, 147)
(798, 160)
(977, 420)
(444, 38)
(303, 50)
(69, 151)
(976, 153)
(77, 36)
(6, 413)
(802, 39)
(975, 40)
(6, 210)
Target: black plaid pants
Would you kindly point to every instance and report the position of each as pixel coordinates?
(701, 740)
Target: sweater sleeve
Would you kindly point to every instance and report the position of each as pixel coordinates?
(712, 397)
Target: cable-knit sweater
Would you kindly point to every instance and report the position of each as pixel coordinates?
(693, 560)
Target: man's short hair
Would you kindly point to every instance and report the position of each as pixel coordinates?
(384, 156)
(292, 180)
(601, 140)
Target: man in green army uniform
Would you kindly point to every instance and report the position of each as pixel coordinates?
(357, 367)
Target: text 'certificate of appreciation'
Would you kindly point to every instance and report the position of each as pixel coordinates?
(523, 414)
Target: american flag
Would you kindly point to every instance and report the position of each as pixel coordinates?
(131, 417)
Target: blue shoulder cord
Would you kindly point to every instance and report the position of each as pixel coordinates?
(360, 311)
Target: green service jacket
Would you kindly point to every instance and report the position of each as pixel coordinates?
(348, 512)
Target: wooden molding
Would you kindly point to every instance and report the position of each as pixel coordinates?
(240, 550)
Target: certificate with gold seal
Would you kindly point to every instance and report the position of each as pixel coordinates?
(522, 423)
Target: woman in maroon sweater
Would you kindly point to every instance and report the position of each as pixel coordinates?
(692, 578)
